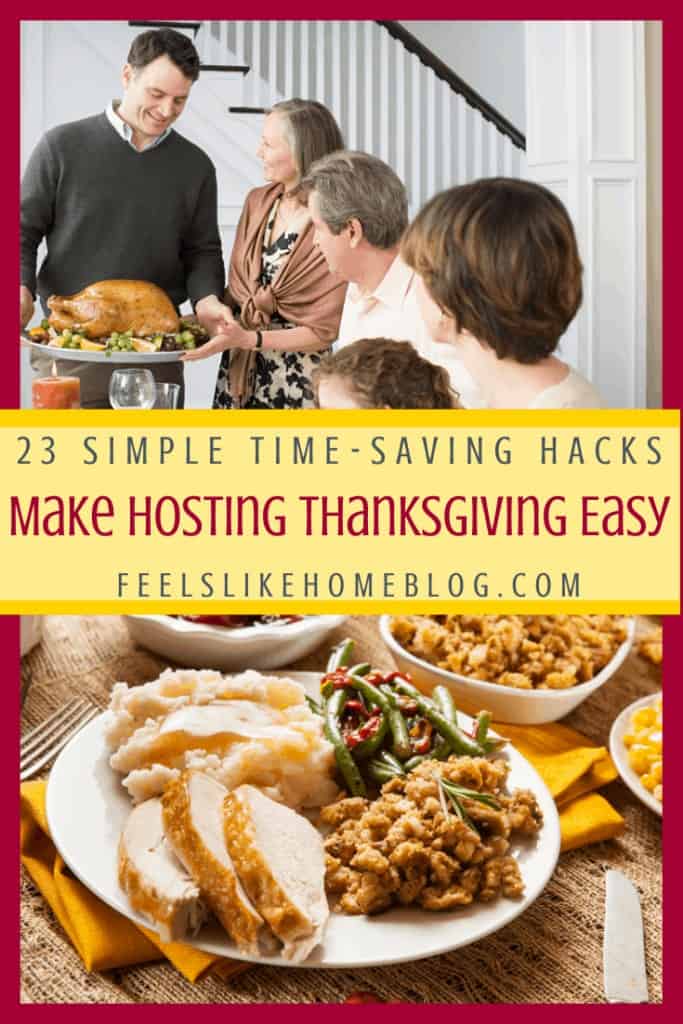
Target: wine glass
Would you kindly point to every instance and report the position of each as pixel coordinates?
(132, 389)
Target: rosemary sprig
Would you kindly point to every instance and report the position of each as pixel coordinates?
(313, 705)
(455, 794)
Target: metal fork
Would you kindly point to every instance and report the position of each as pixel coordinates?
(40, 745)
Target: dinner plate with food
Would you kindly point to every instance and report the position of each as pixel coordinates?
(319, 820)
(117, 321)
(635, 743)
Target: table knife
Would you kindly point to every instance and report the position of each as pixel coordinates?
(623, 948)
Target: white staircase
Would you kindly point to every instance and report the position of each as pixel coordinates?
(385, 99)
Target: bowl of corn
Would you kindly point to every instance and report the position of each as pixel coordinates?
(636, 748)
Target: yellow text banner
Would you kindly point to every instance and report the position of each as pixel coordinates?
(344, 511)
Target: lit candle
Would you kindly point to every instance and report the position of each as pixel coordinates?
(56, 393)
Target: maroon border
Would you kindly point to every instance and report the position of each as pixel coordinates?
(9, 398)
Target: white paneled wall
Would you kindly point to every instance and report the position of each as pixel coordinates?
(586, 141)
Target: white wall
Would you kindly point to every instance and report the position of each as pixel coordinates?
(586, 142)
(653, 101)
(488, 55)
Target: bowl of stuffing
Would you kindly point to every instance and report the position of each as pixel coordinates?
(524, 669)
(231, 642)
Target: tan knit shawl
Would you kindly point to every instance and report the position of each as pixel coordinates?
(303, 291)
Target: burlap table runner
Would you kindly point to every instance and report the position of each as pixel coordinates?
(552, 953)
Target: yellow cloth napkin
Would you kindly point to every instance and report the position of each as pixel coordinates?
(102, 937)
(572, 769)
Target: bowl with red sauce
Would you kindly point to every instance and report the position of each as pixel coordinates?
(232, 642)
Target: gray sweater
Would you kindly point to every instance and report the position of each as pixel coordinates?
(108, 211)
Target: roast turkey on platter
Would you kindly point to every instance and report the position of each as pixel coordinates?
(116, 316)
(115, 305)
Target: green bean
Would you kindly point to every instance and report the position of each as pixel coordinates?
(483, 722)
(371, 693)
(379, 772)
(366, 748)
(391, 762)
(340, 655)
(397, 723)
(443, 699)
(361, 669)
(345, 762)
(459, 742)
(417, 759)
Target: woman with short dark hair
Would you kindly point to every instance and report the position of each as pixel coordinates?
(283, 306)
(500, 277)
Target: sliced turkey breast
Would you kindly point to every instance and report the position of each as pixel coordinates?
(280, 859)
(194, 824)
(155, 881)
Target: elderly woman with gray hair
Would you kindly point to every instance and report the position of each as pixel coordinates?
(283, 306)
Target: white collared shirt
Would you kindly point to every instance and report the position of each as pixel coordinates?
(126, 132)
(391, 311)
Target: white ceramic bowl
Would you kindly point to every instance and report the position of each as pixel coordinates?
(619, 752)
(197, 645)
(506, 704)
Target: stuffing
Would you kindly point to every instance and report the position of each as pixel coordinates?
(410, 846)
(525, 652)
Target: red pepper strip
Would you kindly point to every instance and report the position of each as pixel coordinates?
(338, 678)
(375, 677)
(357, 705)
(397, 675)
(370, 727)
(424, 730)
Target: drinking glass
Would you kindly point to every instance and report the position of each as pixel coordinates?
(132, 389)
(167, 396)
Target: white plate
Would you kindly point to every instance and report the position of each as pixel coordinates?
(86, 810)
(620, 753)
(79, 355)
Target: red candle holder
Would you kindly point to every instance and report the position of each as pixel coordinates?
(56, 393)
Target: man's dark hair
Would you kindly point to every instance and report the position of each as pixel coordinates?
(165, 42)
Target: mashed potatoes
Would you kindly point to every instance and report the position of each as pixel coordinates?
(247, 728)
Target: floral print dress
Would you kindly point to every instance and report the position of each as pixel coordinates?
(282, 379)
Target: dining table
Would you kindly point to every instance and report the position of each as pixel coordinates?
(552, 953)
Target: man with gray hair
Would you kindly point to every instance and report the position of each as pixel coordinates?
(359, 209)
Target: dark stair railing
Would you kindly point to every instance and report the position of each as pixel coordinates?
(242, 69)
(194, 25)
(441, 70)
(412, 45)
